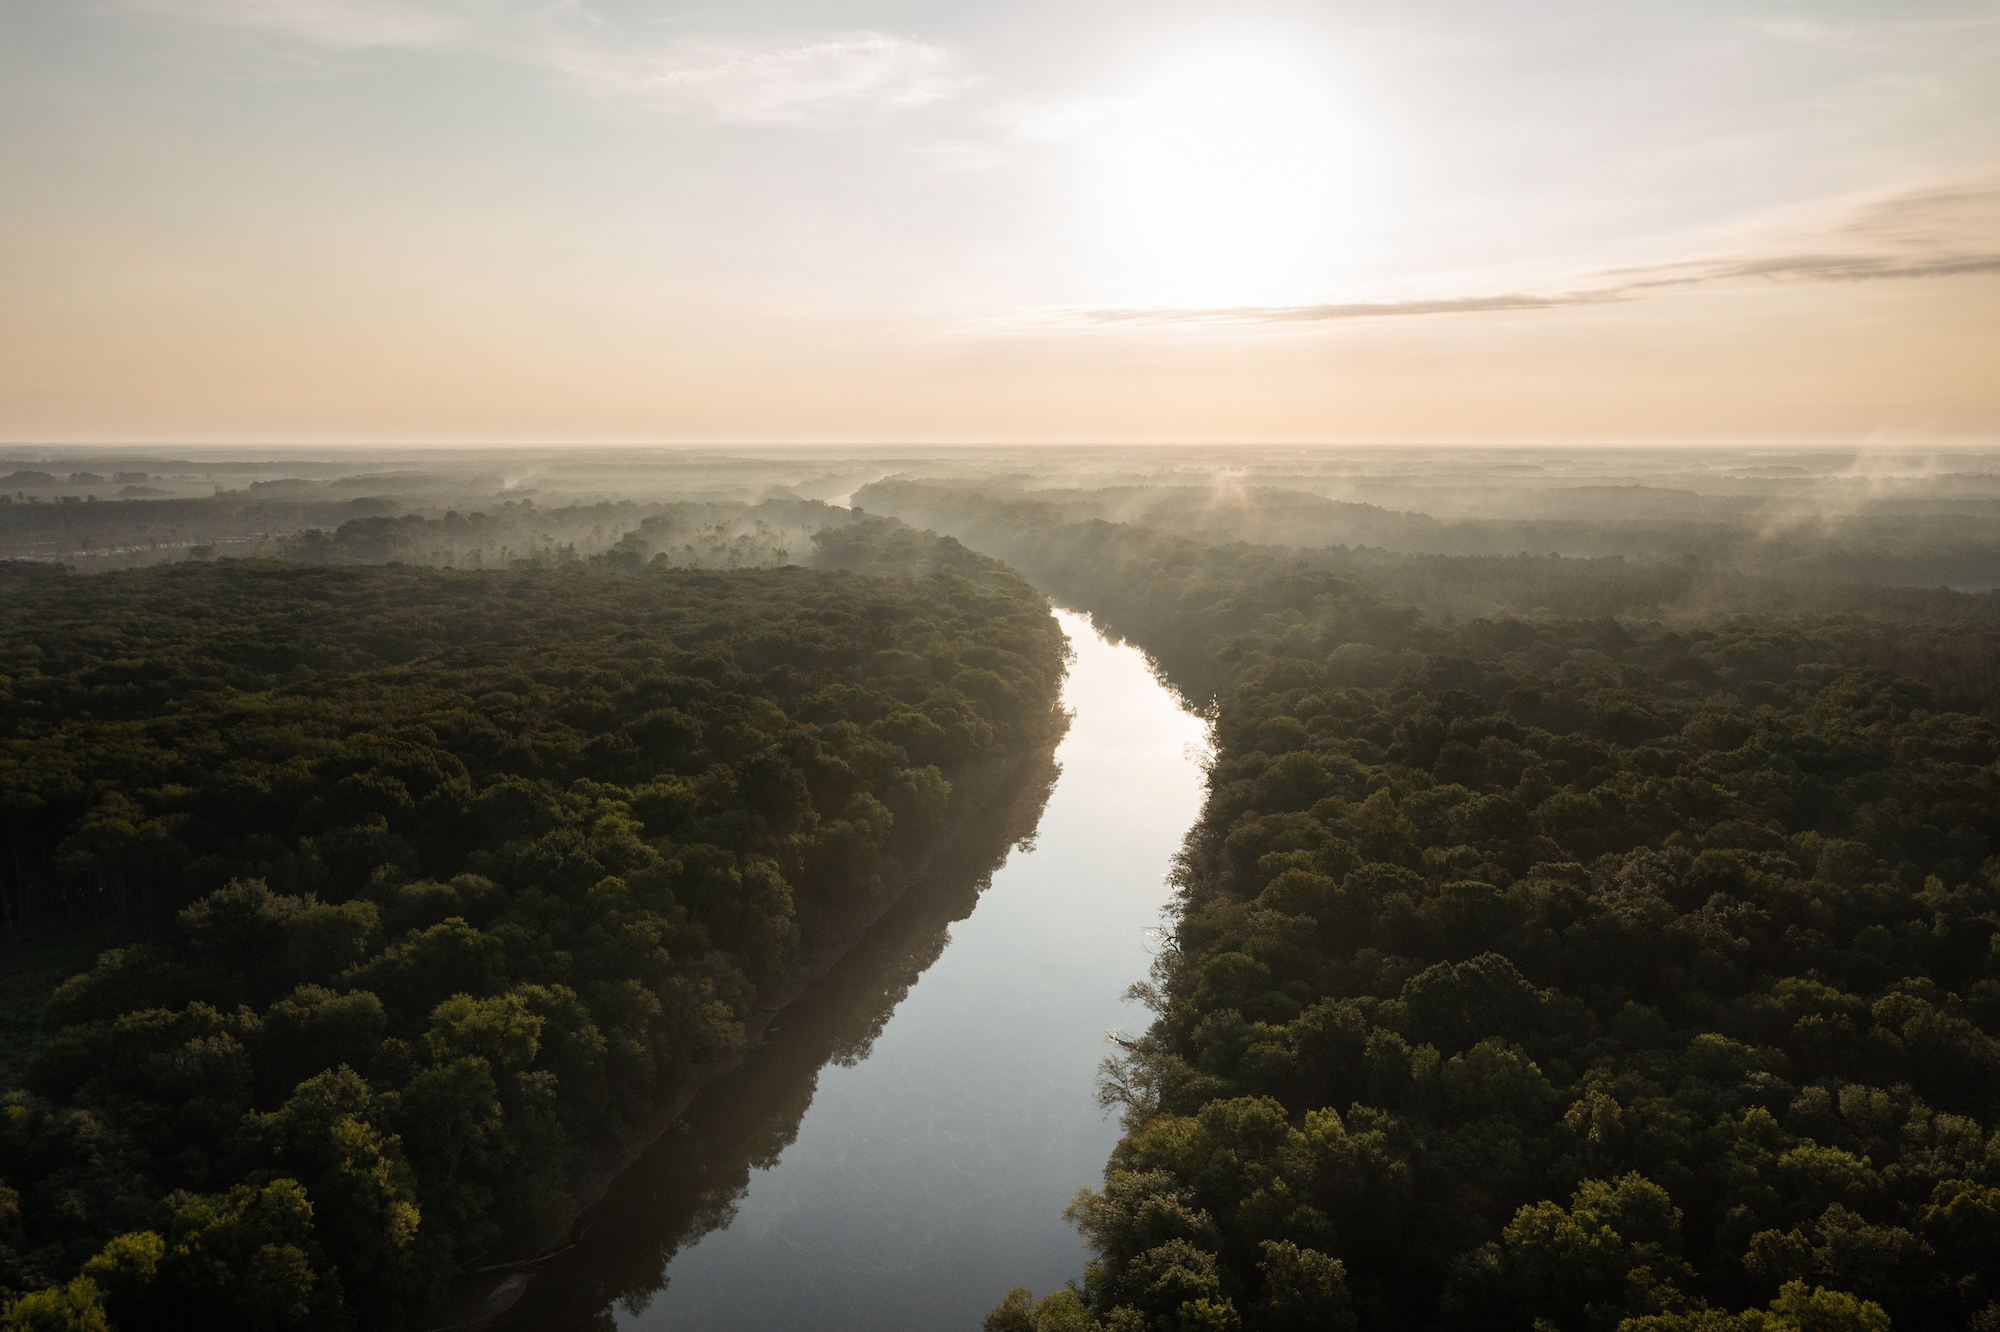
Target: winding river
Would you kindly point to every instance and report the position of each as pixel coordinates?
(899, 1150)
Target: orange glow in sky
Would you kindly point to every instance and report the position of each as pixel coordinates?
(441, 220)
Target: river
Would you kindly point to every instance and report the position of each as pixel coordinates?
(899, 1150)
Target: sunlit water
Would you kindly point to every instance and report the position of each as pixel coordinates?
(900, 1151)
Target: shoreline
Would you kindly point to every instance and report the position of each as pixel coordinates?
(488, 1299)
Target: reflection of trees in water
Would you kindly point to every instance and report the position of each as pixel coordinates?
(688, 1184)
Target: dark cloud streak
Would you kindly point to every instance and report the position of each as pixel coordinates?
(1280, 314)
(1925, 232)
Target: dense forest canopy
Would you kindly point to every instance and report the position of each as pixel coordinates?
(1560, 973)
(427, 881)
(1591, 926)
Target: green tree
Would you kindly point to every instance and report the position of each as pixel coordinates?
(76, 1307)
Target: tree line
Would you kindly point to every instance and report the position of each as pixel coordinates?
(1174, 592)
(427, 881)
(445, 526)
(1911, 532)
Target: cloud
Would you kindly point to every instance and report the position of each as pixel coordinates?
(793, 79)
(341, 24)
(802, 81)
(1288, 314)
(1939, 231)
(1839, 268)
(1955, 214)
(1873, 36)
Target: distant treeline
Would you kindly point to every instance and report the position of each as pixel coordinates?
(1174, 594)
(430, 879)
(619, 536)
(1926, 539)
(377, 530)
(149, 531)
(1552, 973)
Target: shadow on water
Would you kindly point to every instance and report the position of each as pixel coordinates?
(688, 1184)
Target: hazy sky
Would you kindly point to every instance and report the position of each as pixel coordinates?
(889, 220)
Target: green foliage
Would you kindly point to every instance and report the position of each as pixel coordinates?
(1058, 1311)
(1569, 973)
(1767, 563)
(430, 878)
(1306, 1291)
(243, 1259)
(1798, 1308)
(76, 1307)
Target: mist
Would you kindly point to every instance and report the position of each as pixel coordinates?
(1799, 523)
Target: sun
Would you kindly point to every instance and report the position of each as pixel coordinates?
(1231, 174)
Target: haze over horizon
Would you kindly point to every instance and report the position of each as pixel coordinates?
(434, 221)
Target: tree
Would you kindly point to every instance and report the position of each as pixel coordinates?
(76, 1307)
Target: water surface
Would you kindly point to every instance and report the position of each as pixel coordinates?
(900, 1150)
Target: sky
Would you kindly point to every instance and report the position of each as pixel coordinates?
(917, 221)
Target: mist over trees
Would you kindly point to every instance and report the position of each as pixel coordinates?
(1892, 518)
(1591, 923)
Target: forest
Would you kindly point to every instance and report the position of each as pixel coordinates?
(378, 529)
(1577, 972)
(1592, 923)
(1446, 587)
(423, 883)
(1922, 532)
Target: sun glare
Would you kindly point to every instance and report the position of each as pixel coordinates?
(1229, 176)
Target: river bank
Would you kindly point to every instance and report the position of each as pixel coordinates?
(488, 1298)
(898, 1147)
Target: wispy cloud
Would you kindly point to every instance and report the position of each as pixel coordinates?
(1942, 231)
(344, 24)
(1953, 214)
(786, 79)
(1874, 35)
(802, 81)
(1938, 231)
(1825, 268)
(1300, 314)
(1807, 32)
